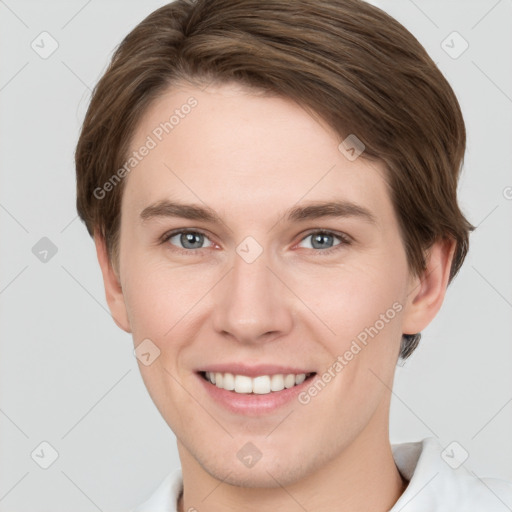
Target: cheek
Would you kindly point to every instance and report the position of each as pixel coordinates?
(350, 300)
(363, 309)
(154, 305)
(160, 297)
(362, 306)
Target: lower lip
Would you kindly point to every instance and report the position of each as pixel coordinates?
(251, 404)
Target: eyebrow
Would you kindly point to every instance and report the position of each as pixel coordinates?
(309, 211)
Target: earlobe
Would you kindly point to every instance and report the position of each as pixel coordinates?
(427, 292)
(113, 289)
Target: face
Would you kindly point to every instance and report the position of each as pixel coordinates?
(254, 253)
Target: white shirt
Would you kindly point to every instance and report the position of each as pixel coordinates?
(433, 485)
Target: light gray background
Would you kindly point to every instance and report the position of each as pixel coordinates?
(67, 373)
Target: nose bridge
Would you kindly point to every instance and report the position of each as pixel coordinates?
(251, 302)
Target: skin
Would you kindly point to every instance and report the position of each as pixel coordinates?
(251, 157)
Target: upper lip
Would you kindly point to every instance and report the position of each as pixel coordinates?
(254, 370)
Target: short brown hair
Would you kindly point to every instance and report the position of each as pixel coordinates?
(345, 61)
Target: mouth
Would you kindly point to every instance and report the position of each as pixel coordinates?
(258, 385)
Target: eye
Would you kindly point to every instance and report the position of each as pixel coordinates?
(187, 240)
(325, 240)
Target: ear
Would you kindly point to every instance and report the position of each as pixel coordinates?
(113, 290)
(426, 292)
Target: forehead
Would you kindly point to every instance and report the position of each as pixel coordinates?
(238, 150)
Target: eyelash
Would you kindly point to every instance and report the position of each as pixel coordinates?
(343, 238)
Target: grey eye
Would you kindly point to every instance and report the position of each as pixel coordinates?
(189, 240)
(321, 240)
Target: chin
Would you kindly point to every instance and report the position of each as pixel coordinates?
(272, 470)
(261, 477)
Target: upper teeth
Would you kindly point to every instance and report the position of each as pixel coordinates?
(260, 385)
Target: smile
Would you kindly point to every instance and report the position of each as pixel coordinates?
(259, 385)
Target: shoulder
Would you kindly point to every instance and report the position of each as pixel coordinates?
(439, 481)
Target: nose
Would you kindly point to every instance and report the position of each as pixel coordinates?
(252, 303)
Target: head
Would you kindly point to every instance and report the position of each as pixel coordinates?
(312, 150)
